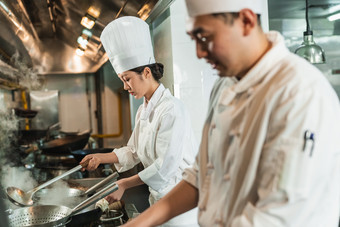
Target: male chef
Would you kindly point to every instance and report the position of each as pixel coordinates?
(269, 154)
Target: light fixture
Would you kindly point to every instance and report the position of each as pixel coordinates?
(309, 49)
(88, 21)
(80, 51)
(144, 12)
(82, 41)
(87, 32)
(334, 17)
(93, 11)
(3, 5)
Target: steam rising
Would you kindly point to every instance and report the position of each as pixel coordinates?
(28, 78)
(20, 177)
(58, 195)
(9, 125)
(11, 176)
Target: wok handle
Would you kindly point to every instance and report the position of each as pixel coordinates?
(101, 183)
(96, 197)
(73, 170)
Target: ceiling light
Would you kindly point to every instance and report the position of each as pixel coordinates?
(93, 12)
(144, 12)
(3, 5)
(82, 42)
(309, 49)
(87, 32)
(334, 9)
(80, 51)
(334, 17)
(88, 21)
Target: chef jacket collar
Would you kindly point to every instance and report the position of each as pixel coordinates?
(148, 106)
(255, 75)
(261, 69)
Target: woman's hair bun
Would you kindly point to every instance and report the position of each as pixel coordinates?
(157, 70)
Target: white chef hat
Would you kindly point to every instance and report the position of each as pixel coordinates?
(127, 42)
(202, 7)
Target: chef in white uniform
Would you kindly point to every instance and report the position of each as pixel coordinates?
(269, 155)
(162, 140)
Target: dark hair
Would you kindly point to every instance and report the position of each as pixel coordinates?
(229, 18)
(157, 70)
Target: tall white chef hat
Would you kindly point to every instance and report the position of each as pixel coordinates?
(127, 42)
(202, 7)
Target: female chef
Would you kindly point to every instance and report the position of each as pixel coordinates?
(162, 140)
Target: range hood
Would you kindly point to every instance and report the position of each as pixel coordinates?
(43, 34)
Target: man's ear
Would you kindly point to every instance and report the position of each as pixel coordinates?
(249, 21)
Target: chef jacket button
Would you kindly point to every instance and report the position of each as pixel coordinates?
(219, 222)
(234, 132)
(213, 125)
(202, 208)
(250, 91)
(210, 165)
(226, 177)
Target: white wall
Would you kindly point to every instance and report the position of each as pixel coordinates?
(188, 78)
(192, 78)
(162, 42)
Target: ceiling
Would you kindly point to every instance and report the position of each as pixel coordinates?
(43, 33)
(295, 9)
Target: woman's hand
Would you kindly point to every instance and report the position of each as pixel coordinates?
(117, 195)
(94, 162)
(96, 159)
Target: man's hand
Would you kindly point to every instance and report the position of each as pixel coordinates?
(179, 200)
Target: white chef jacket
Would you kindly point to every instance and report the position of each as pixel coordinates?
(164, 142)
(254, 167)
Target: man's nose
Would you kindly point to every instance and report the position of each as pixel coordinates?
(201, 50)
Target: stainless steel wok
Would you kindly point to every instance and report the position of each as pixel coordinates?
(51, 215)
(43, 194)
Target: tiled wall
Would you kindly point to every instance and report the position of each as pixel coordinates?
(188, 78)
(193, 78)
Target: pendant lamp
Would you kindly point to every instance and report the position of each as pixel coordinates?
(309, 49)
